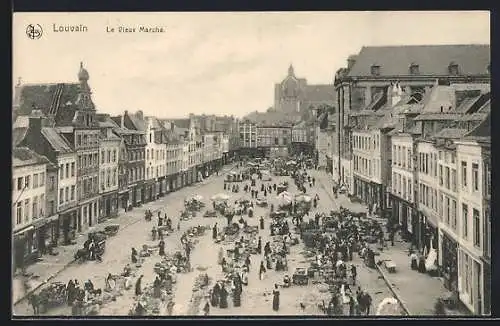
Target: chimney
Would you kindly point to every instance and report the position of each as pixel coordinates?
(351, 61)
(122, 119)
(36, 120)
(139, 115)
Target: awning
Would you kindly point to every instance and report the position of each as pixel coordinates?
(69, 210)
(39, 222)
(21, 232)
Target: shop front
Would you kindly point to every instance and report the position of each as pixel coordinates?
(405, 215)
(108, 206)
(22, 242)
(163, 189)
(124, 196)
(45, 233)
(428, 236)
(149, 190)
(449, 261)
(137, 194)
(68, 225)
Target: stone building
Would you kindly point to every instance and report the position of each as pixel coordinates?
(28, 202)
(415, 67)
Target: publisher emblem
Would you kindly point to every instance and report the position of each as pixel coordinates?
(34, 31)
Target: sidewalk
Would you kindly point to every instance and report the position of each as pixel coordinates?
(416, 291)
(49, 266)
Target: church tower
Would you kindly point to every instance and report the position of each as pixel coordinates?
(85, 106)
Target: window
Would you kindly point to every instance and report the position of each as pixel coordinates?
(79, 140)
(409, 159)
(35, 207)
(453, 69)
(276, 141)
(19, 213)
(440, 208)
(61, 196)
(27, 182)
(73, 169)
(375, 70)
(52, 183)
(35, 180)
(454, 180)
(66, 193)
(414, 69)
(440, 175)
(67, 171)
(114, 155)
(465, 221)
(447, 210)
(26, 210)
(447, 177)
(72, 193)
(20, 183)
(475, 176)
(404, 157)
(454, 214)
(42, 204)
(102, 157)
(476, 228)
(464, 174)
(108, 157)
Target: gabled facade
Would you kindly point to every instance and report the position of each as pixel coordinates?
(28, 202)
(109, 156)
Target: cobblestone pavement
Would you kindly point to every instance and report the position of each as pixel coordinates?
(134, 232)
(256, 297)
(415, 290)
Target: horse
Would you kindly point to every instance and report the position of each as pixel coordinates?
(81, 254)
(35, 301)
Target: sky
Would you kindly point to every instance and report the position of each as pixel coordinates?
(217, 63)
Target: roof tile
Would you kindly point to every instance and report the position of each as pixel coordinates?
(433, 60)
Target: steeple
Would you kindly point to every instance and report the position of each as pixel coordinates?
(290, 71)
(84, 100)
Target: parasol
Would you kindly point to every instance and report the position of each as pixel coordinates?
(291, 162)
(220, 196)
(285, 198)
(303, 198)
(388, 307)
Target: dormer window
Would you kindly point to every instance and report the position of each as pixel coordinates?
(375, 70)
(453, 69)
(414, 69)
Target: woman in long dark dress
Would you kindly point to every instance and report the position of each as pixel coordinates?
(214, 231)
(223, 298)
(214, 299)
(138, 288)
(261, 223)
(276, 298)
(259, 246)
(262, 270)
(161, 245)
(134, 256)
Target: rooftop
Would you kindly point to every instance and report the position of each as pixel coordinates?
(432, 60)
(55, 140)
(23, 156)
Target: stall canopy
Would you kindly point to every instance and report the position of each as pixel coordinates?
(220, 196)
(303, 198)
(285, 198)
(195, 197)
(291, 162)
(389, 307)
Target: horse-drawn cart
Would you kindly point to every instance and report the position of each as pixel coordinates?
(53, 295)
(112, 229)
